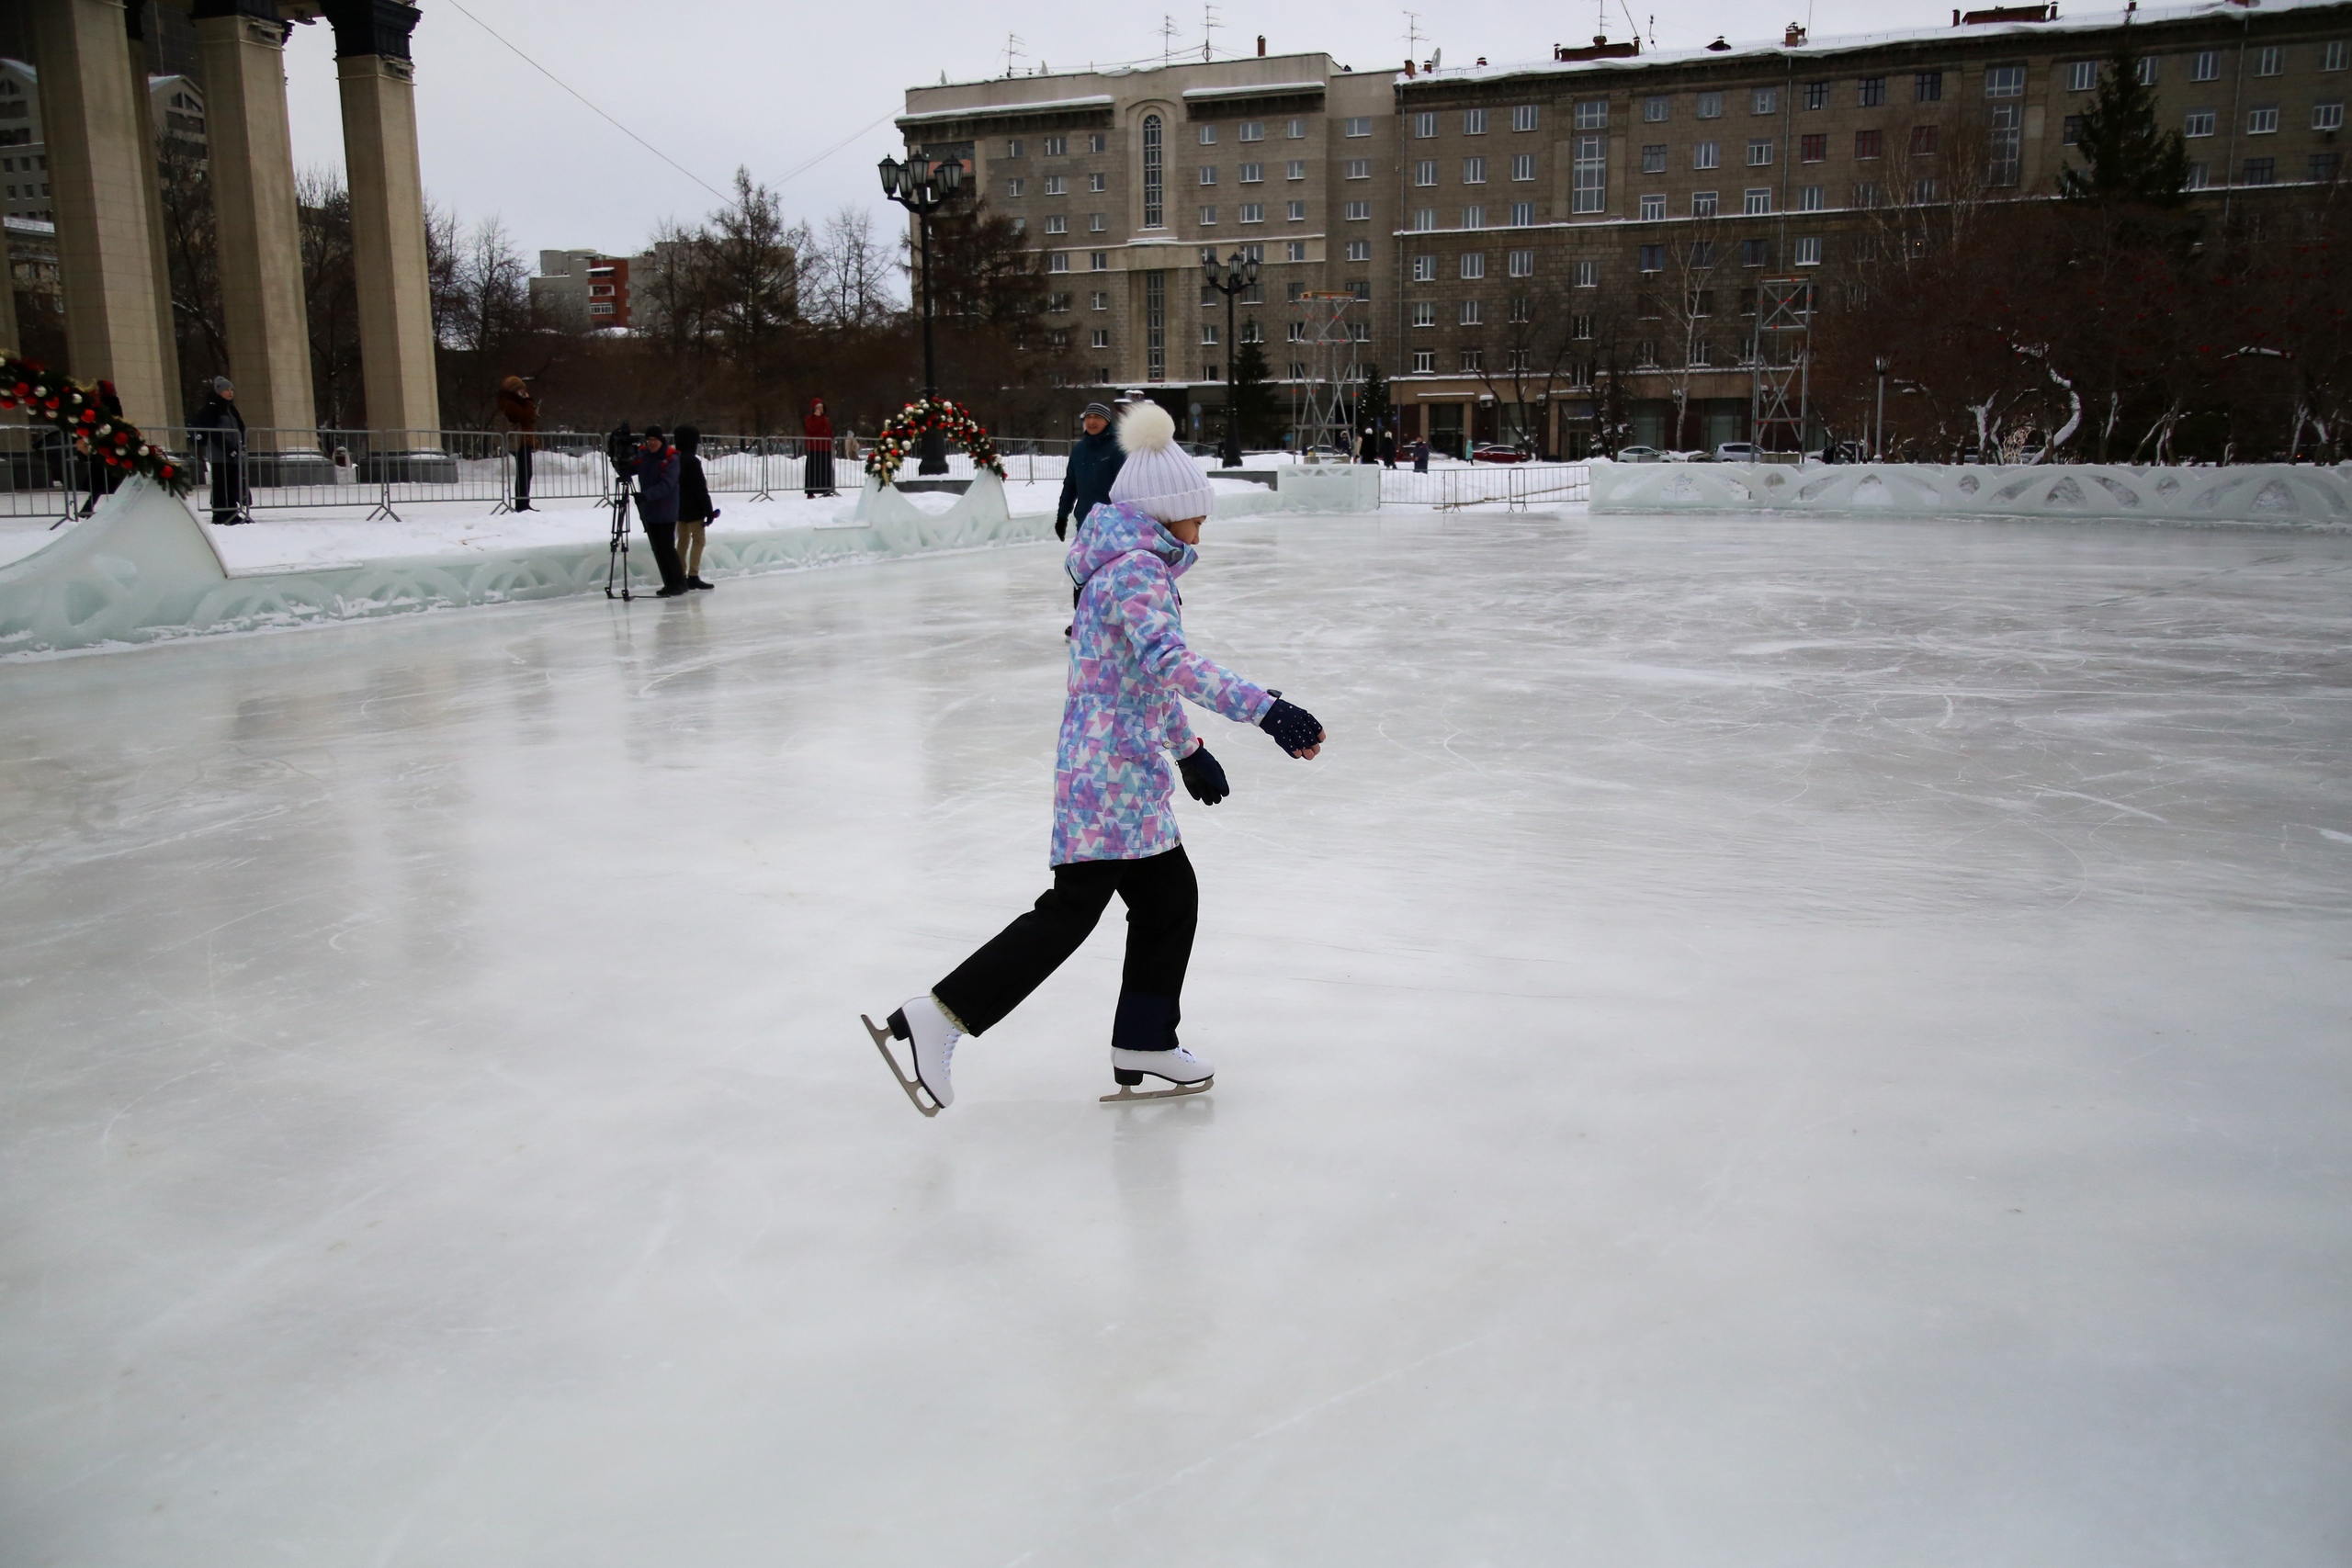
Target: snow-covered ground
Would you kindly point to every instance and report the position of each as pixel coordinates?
(1760, 1042)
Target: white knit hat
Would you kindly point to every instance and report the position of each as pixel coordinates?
(1157, 478)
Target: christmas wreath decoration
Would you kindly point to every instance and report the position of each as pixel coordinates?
(75, 410)
(902, 435)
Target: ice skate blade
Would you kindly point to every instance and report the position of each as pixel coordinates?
(1174, 1091)
(917, 1094)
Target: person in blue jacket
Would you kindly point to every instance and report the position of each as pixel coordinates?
(1094, 462)
(655, 468)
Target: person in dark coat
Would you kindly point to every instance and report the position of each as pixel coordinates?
(521, 412)
(817, 451)
(694, 510)
(1368, 448)
(1388, 448)
(221, 437)
(1094, 462)
(1422, 456)
(655, 468)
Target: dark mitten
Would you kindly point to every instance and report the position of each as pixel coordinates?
(1061, 527)
(1293, 728)
(1204, 776)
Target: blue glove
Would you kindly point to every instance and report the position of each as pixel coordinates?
(1204, 776)
(1293, 728)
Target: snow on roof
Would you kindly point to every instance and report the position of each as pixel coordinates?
(1776, 48)
(1041, 106)
(1253, 90)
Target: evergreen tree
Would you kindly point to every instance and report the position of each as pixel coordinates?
(2126, 158)
(1371, 401)
(1255, 408)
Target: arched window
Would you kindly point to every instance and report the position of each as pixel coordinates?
(1153, 161)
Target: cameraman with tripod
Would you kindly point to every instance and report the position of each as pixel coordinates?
(654, 467)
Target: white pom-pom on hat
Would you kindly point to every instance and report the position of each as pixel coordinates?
(1157, 476)
(1147, 427)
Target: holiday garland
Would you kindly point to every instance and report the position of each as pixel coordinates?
(76, 411)
(903, 434)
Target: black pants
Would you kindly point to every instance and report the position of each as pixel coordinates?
(663, 538)
(1163, 905)
(816, 471)
(522, 475)
(228, 489)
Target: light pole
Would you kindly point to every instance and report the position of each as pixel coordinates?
(1877, 445)
(1239, 272)
(922, 187)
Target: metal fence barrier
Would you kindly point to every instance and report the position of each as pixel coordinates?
(1515, 486)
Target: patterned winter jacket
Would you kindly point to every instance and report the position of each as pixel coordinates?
(1129, 665)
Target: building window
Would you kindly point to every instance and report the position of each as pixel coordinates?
(1096, 224)
(1356, 169)
(1473, 359)
(1646, 354)
(1358, 212)
(1523, 118)
(1013, 188)
(1468, 315)
(1871, 91)
(1813, 198)
(1424, 124)
(1209, 334)
(1702, 204)
(2260, 172)
(1057, 223)
(2262, 122)
(2327, 116)
(1653, 208)
(2070, 130)
(1705, 154)
(1296, 250)
(2082, 75)
(1298, 212)
(1653, 158)
(1813, 149)
(1522, 264)
(1296, 169)
(1253, 130)
(1056, 146)
(1425, 269)
(1424, 361)
(2270, 61)
(1425, 172)
(1922, 141)
(1755, 253)
(1253, 212)
(1359, 250)
(1756, 202)
(2322, 168)
(1928, 87)
(1592, 174)
(2002, 137)
(1923, 192)
(1208, 217)
(1155, 318)
(1654, 110)
(1253, 173)
(2199, 122)
(1587, 274)
(1473, 171)
(1012, 148)
(1096, 141)
(1703, 256)
(1474, 122)
(1865, 194)
(1098, 301)
(1424, 218)
(1474, 264)
(1809, 250)
(1592, 113)
(1522, 214)
(1522, 166)
(1058, 262)
(1764, 100)
(2331, 55)
(1425, 314)
(1019, 225)
(1653, 259)
(2201, 176)
(1097, 183)
(1816, 95)
(1710, 105)
(1208, 135)
(1296, 129)
(2205, 65)
(1208, 174)
(1153, 158)
(1759, 151)
(1868, 144)
(1098, 261)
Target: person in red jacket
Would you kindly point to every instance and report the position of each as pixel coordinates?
(817, 451)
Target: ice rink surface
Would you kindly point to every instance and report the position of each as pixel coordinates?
(1760, 1042)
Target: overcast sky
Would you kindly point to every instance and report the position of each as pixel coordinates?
(718, 83)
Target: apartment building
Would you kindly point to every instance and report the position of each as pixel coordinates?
(587, 288)
(1126, 177)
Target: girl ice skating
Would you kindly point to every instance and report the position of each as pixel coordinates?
(1114, 825)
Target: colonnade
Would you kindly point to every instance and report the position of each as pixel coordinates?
(108, 206)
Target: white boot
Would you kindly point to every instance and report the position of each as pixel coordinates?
(1178, 1066)
(933, 1036)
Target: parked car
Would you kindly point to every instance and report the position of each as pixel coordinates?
(1493, 453)
(1735, 452)
(1682, 457)
(1636, 455)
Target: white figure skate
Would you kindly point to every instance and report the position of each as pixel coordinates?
(1187, 1073)
(931, 1040)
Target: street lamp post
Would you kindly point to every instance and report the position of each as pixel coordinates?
(922, 187)
(1877, 445)
(1238, 272)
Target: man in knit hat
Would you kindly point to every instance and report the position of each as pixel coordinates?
(1114, 825)
(1095, 459)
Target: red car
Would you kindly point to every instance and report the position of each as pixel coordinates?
(1491, 452)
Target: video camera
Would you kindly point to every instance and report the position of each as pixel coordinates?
(619, 447)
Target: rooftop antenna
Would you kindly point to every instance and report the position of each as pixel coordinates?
(1413, 34)
(1166, 38)
(1012, 52)
(1208, 31)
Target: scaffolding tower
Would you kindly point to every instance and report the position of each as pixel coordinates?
(1323, 410)
(1780, 398)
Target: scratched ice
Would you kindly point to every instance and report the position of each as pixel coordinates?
(1761, 1042)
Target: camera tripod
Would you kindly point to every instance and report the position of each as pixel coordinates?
(618, 564)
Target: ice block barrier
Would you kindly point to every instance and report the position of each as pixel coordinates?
(143, 570)
(2273, 494)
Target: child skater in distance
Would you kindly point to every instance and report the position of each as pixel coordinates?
(1115, 829)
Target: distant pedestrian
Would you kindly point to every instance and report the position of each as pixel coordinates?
(223, 442)
(1094, 462)
(521, 411)
(696, 513)
(1422, 456)
(1368, 445)
(1388, 448)
(817, 451)
(655, 468)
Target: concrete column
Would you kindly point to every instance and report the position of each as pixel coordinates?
(104, 251)
(7, 297)
(242, 45)
(159, 265)
(396, 359)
